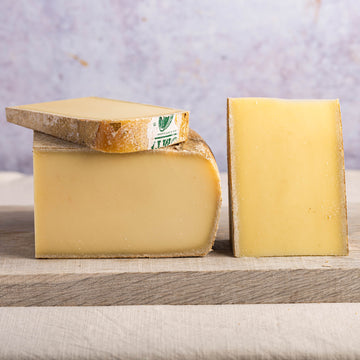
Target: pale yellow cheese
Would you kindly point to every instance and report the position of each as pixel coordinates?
(286, 177)
(146, 204)
(104, 124)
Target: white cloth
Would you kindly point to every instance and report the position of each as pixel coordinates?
(303, 331)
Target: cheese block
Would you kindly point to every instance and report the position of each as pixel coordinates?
(105, 125)
(286, 177)
(157, 203)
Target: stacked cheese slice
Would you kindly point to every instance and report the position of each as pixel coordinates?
(119, 179)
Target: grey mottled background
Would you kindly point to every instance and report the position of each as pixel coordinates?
(185, 54)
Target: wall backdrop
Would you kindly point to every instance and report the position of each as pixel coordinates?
(185, 54)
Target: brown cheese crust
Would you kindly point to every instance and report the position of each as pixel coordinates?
(341, 149)
(231, 215)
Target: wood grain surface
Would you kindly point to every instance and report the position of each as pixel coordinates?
(218, 278)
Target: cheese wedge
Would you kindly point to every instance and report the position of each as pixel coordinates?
(286, 177)
(105, 125)
(161, 203)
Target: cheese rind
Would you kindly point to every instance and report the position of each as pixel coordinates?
(105, 125)
(286, 177)
(162, 203)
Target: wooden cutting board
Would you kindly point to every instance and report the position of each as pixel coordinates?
(218, 278)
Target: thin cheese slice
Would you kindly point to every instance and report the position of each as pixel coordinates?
(105, 125)
(161, 203)
(286, 177)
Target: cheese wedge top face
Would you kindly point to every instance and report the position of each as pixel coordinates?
(286, 177)
(161, 203)
(104, 124)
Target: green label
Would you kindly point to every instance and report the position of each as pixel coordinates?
(163, 131)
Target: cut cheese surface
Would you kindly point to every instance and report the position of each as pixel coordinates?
(94, 108)
(104, 124)
(159, 203)
(286, 177)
